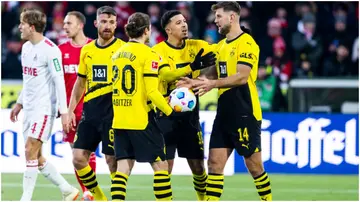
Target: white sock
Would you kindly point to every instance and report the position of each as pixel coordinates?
(29, 179)
(50, 173)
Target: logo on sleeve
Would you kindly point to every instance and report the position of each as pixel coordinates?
(57, 65)
(246, 55)
(154, 66)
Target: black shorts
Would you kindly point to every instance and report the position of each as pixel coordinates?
(184, 135)
(90, 134)
(243, 134)
(143, 145)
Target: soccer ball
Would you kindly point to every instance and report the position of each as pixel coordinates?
(182, 100)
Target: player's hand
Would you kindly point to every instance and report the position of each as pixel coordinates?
(65, 122)
(202, 62)
(15, 112)
(185, 82)
(203, 86)
(72, 121)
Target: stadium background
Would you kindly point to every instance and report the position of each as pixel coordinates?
(307, 82)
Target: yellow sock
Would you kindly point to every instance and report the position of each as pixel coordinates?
(214, 186)
(88, 178)
(263, 187)
(118, 186)
(162, 186)
(112, 175)
(199, 185)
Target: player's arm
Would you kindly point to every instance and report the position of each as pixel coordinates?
(200, 62)
(55, 65)
(247, 57)
(80, 84)
(151, 81)
(209, 72)
(165, 72)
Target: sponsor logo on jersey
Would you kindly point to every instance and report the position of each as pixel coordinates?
(57, 64)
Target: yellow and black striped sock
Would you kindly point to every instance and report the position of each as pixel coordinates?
(112, 175)
(263, 187)
(199, 185)
(162, 186)
(118, 186)
(214, 186)
(88, 178)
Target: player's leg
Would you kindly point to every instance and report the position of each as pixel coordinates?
(107, 139)
(124, 154)
(167, 127)
(47, 169)
(248, 144)
(191, 147)
(32, 147)
(261, 179)
(219, 151)
(149, 146)
(87, 142)
(70, 137)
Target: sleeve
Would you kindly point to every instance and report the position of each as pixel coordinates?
(152, 83)
(20, 98)
(55, 65)
(82, 66)
(248, 53)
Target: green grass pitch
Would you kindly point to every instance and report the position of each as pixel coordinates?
(238, 187)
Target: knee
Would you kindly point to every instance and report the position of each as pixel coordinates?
(254, 165)
(160, 166)
(197, 166)
(79, 160)
(170, 164)
(31, 151)
(215, 166)
(111, 162)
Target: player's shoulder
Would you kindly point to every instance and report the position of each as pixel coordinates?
(119, 42)
(64, 45)
(49, 47)
(247, 39)
(26, 45)
(159, 46)
(89, 46)
(196, 42)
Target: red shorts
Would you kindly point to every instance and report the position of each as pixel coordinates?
(69, 137)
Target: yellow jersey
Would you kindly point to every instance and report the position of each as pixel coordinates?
(95, 65)
(240, 100)
(135, 86)
(179, 57)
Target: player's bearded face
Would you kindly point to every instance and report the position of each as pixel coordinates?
(222, 21)
(106, 25)
(179, 27)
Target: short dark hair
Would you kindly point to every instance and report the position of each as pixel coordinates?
(78, 15)
(165, 19)
(227, 6)
(34, 18)
(106, 10)
(136, 25)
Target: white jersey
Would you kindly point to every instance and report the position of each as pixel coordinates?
(43, 79)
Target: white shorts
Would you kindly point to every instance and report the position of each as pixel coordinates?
(38, 127)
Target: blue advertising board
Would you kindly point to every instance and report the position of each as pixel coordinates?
(308, 143)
